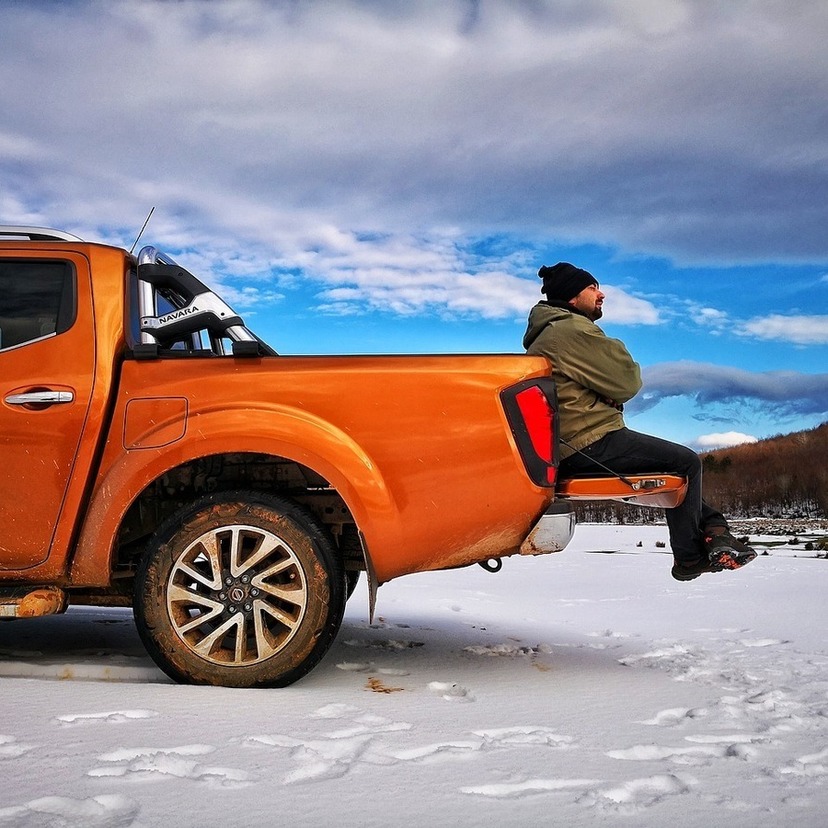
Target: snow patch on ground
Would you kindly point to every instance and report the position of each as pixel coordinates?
(589, 686)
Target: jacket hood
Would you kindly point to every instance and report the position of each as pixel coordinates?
(541, 315)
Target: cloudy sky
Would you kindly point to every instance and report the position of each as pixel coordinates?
(388, 176)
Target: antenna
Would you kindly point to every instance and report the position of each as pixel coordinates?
(143, 227)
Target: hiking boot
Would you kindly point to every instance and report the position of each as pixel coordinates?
(725, 551)
(688, 571)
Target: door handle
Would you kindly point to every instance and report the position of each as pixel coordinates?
(40, 398)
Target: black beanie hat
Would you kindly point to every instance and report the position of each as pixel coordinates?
(564, 281)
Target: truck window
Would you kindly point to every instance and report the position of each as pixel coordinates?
(37, 299)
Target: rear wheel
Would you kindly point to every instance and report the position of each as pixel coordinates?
(241, 589)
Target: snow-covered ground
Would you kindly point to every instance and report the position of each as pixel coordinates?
(581, 688)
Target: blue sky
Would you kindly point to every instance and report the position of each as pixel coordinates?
(369, 177)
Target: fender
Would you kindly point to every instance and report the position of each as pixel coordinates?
(274, 429)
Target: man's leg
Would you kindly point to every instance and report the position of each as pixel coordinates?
(630, 452)
(699, 534)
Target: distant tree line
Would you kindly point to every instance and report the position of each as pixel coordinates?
(783, 476)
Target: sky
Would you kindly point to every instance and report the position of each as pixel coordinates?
(387, 177)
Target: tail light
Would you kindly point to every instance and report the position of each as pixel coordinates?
(532, 412)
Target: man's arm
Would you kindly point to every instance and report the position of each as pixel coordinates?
(584, 353)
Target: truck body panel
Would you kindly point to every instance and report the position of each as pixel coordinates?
(399, 437)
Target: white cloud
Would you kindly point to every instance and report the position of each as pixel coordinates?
(711, 318)
(580, 121)
(783, 392)
(19, 147)
(623, 309)
(799, 330)
(397, 273)
(368, 145)
(708, 442)
(406, 276)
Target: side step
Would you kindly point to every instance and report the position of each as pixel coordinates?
(665, 491)
(25, 602)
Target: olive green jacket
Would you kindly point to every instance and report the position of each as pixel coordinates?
(594, 374)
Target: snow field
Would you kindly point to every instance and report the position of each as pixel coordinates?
(582, 688)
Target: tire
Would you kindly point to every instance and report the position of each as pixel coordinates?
(240, 589)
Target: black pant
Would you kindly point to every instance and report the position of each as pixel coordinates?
(629, 452)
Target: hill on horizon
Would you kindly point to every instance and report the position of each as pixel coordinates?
(781, 476)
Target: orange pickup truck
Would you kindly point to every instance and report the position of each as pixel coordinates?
(157, 454)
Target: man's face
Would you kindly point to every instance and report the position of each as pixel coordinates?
(589, 302)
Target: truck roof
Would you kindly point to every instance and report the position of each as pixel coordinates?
(20, 232)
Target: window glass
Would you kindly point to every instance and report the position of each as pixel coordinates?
(36, 300)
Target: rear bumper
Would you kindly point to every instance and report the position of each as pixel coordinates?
(552, 532)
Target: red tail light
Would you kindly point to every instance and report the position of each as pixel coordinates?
(532, 413)
(538, 417)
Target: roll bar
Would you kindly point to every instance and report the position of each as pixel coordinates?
(196, 308)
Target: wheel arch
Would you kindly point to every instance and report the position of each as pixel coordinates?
(334, 466)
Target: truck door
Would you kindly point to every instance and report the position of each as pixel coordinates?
(47, 362)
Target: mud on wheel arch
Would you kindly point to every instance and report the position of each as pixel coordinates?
(236, 471)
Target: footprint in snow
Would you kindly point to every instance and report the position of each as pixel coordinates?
(114, 717)
(140, 764)
(636, 795)
(655, 658)
(107, 811)
(368, 725)
(386, 644)
(706, 749)
(10, 748)
(439, 751)
(529, 787)
(334, 711)
(676, 716)
(762, 642)
(506, 649)
(529, 735)
(333, 754)
(316, 760)
(359, 723)
(812, 765)
(486, 740)
(358, 741)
